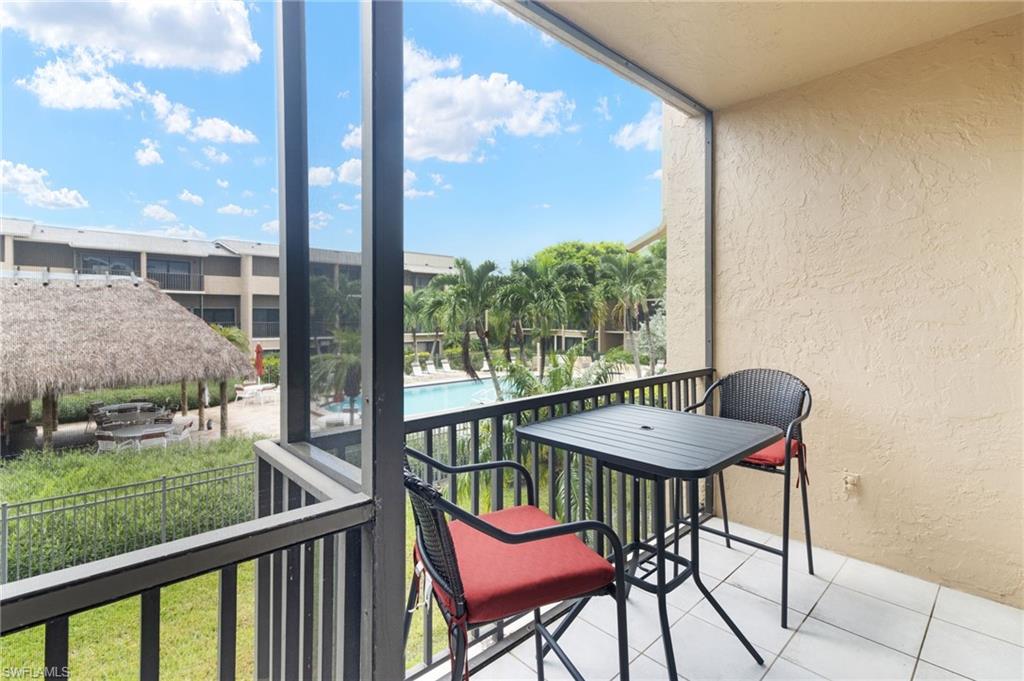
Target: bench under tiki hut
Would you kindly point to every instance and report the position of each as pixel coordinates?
(61, 334)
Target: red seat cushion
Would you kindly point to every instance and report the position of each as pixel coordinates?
(503, 579)
(774, 454)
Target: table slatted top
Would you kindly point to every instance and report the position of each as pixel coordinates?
(653, 441)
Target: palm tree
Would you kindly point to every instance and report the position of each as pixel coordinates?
(234, 335)
(513, 298)
(541, 286)
(654, 269)
(626, 282)
(445, 307)
(335, 302)
(415, 305)
(336, 374)
(473, 291)
(563, 376)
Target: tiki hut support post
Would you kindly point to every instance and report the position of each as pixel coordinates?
(184, 398)
(200, 391)
(223, 408)
(48, 417)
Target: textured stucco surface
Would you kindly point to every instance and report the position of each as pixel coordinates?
(869, 240)
(728, 52)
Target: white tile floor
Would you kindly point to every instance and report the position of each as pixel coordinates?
(851, 620)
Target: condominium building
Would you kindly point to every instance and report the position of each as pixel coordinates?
(224, 281)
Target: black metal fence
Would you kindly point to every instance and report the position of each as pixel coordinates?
(566, 485)
(43, 535)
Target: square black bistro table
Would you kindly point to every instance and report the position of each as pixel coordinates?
(659, 445)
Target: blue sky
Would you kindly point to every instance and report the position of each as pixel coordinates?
(161, 118)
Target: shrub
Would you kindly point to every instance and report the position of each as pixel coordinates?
(271, 368)
(454, 356)
(75, 406)
(421, 356)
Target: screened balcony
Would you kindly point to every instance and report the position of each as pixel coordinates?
(837, 212)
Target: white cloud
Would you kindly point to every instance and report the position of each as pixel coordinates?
(31, 185)
(154, 211)
(234, 209)
(176, 117)
(320, 176)
(418, 63)
(655, 175)
(180, 232)
(408, 180)
(270, 226)
(544, 206)
(353, 138)
(162, 34)
(319, 219)
(351, 172)
(215, 155)
(448, 117)
(148, 155)
(346, 207)
(220, 131)
(248, 194)
(79, 80)
(223, 184)
(645, 133)
(189, 197)
(602, 108)
(343, 94)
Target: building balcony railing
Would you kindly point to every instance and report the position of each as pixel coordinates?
(266, 329)
(307, 611)
(316, 577)
(177, 281)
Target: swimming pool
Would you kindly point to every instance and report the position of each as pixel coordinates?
(423, 399)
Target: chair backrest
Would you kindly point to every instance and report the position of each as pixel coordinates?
(766, 396)
(435, 543)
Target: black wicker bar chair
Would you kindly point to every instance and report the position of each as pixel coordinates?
(482, 569)
(775, 398)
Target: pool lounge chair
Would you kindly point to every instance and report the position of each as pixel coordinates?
(417, 370)
(431, 368)
(446, 366)
(180, 433)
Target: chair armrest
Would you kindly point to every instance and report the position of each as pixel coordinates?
(797, 421)
(476, 467)
(704, 400)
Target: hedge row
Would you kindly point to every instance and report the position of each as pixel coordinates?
(75, 407)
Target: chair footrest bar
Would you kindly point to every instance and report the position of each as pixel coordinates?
(742, 540)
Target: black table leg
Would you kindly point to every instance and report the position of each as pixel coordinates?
(691, 488)
(659, 534)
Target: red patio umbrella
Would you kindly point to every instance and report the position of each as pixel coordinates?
(259, 361)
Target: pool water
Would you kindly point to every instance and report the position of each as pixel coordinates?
(424, 399)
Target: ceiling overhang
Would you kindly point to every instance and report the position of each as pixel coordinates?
(718, 54)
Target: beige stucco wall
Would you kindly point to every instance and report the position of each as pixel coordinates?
(869, 240)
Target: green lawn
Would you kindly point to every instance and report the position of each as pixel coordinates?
(104, 643)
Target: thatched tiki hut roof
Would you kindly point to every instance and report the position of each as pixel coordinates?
(60, 335)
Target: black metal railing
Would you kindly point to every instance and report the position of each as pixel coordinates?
(566, 484)
(177, 281)
(307, 594)
(266, 329)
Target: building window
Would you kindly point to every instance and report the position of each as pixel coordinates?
(265, 322)
(223, 316)
(101, 263)
(156, 266)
